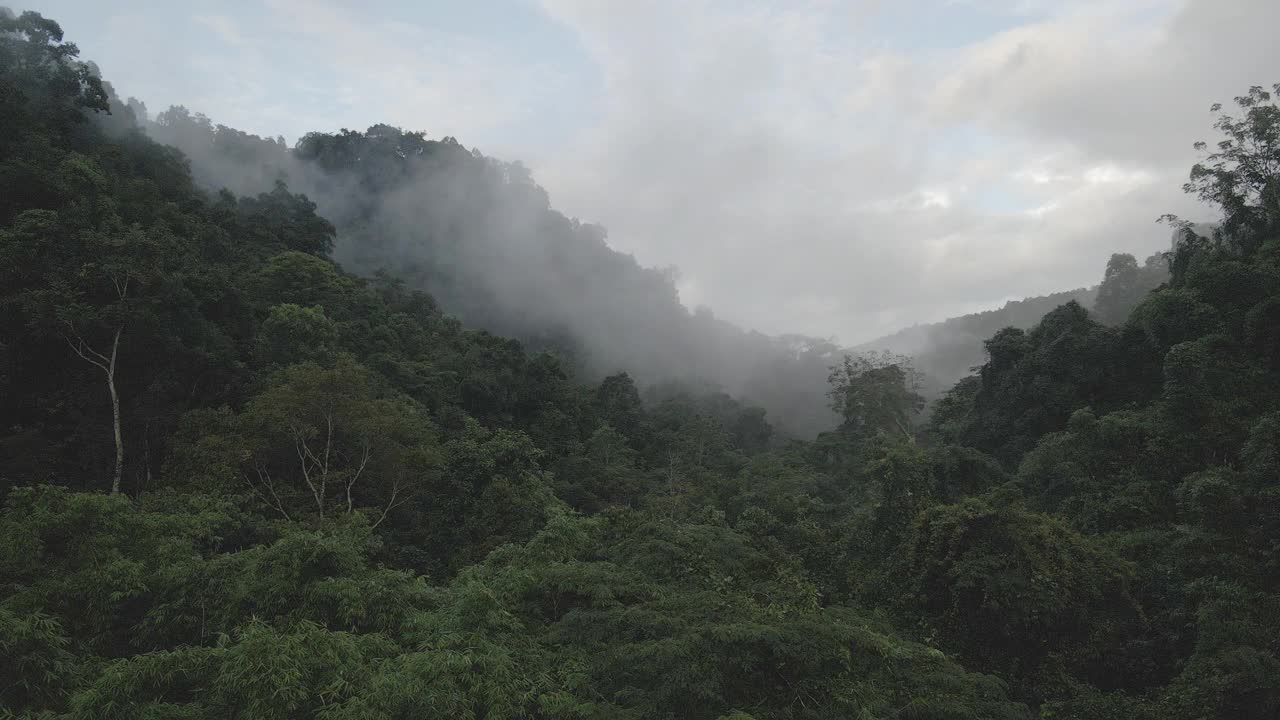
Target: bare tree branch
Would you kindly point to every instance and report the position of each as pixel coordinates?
(108, 366)
(304, 452)
(391, 504)
(265, 478)
(271, 486)
(122, 288)
(81, 348)
(328, 445)
(364, 460)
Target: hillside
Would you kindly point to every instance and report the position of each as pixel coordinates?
(944, 352)
(948, 350)
(239, 480)
(482, 238)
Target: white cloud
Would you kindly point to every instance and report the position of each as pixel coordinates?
(806, 169)
(782, 156)
(292, 66)
(224, 27)
(935, 198)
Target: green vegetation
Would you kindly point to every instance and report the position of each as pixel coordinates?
(238, 481)
(948, 351)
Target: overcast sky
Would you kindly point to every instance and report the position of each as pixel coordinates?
(831, 168)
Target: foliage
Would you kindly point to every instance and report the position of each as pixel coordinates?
(876, 394)
(336, 502)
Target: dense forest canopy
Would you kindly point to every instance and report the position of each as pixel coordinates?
(240, 480)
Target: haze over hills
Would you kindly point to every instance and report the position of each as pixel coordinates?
(949, 350)
(485, 240)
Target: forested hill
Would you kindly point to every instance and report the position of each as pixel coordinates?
(944, 352)
(948, 350)
(239, 481)
(481, 237)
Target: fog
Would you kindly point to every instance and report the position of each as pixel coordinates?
(830, 169)
(484, 240)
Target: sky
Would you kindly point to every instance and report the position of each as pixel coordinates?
(834, 168)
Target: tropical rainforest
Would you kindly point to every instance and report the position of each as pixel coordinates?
(283, 435)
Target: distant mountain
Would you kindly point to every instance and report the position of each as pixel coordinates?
(947, 351)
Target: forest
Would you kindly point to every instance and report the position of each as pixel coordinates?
(257, 463)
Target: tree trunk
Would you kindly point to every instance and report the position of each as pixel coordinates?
(910, 438)
(108, 366)
(115, 418)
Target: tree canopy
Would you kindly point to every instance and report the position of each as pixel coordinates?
(238, 480)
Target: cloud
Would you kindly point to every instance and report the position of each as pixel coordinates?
(387, 70)
(224, 27)
(810, 166)
(809, 175)
(292, 66)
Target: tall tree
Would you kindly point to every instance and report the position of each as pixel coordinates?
(1241, 176)
(1119, 291)
(876, 393)
(335, 435)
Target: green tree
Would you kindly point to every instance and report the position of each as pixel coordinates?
(88, 286)
(329, 437)
(1009, 587)
(292, 334)
(876, 394)
(1119, 290)
(1242, 175)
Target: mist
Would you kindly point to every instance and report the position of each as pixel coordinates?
(811, 196)
(483, 239)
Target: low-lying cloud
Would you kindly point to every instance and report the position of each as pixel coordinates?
(807, 174)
